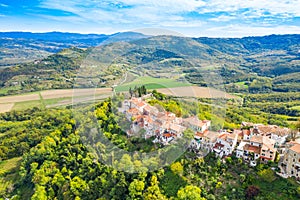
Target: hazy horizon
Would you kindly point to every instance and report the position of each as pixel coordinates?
(192, 18)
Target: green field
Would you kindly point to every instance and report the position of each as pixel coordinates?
(151, 83)
(241, 84)
(28, 104)
(296, 108)
(8, 174)
(4, 91)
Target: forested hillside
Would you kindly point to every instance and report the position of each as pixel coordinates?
(44, 155)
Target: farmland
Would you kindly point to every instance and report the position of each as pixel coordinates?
(195, 91)
(151, 83)
(51, 98)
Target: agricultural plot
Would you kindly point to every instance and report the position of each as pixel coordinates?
(51, 98)
(151, 83)
(195, 91)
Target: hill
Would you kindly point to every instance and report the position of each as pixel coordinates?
(21, 47)
(251, 64)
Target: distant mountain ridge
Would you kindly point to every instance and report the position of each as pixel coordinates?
(21, 47)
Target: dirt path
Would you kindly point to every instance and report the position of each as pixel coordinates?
(53, 94)
(19, 98)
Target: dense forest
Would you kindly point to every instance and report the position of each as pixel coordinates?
(47, 154)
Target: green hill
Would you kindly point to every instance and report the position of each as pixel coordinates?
(252, 64)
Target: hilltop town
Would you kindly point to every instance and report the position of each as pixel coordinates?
(253, 143)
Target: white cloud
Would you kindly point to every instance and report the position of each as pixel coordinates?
(223, 18)
(3, 5)
(274, 7)
(255, 16)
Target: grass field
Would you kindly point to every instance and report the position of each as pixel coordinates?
(27, 104)
(241, 84)
(151, 83)
(4, 91)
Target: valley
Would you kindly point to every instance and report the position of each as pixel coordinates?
(62, 137)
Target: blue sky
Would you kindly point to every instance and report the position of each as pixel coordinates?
(213, 18)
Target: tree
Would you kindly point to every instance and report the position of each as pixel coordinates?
(39, 193)
(136, 189)
(189, 192)
(252, 191)
(267, 175)
(188, 134)
(131, 92)
(177, 168)
(153, 191)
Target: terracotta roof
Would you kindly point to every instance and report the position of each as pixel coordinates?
(217, 145)
(141, 104)
(246, 132)
(296, 148)
(232, 136)
(168, 135)
(266, 142)
(270, 129)
(223, 136)
(177, 127)
(266, 157)
(252, 148)
(133, 111)
(199, 134)
(257, 139)
(210, 135)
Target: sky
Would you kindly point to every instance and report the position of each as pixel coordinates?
(211, 18)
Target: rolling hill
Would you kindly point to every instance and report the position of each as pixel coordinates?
(251, 64)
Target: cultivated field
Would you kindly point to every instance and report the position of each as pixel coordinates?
(151, 83)
(52, 98)
(195, 91)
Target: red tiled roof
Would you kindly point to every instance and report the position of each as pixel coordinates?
(218, 145)
(296, 148)
(251, 148)
(266, 157)
(246, 132)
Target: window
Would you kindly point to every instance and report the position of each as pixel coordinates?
(263, 154)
